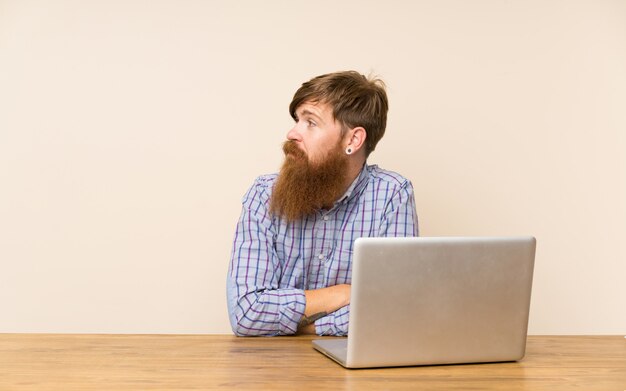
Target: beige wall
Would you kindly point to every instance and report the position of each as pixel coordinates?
(129, 130)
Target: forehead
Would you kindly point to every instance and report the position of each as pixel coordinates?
(315, 108)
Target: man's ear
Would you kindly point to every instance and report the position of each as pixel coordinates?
(356, 139)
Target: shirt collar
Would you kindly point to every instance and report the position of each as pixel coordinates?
(355, 188)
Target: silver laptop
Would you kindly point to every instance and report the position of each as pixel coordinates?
(426, 300)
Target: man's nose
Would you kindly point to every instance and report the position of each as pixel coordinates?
(294, 134)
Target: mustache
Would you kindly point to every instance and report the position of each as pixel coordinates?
(290, 148)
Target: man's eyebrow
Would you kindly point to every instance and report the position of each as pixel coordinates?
(308, 112)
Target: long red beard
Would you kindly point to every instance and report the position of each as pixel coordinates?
(303, 187)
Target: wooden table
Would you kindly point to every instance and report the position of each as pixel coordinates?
(199, 362)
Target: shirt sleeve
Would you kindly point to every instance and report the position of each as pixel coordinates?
(335, 323)
(256, 305)
(400, 217)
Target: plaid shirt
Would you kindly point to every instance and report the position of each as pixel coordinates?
(273, 262)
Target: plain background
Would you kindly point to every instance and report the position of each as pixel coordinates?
(130, 130)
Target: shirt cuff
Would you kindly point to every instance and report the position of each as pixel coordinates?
(335, 323)
(292, 304)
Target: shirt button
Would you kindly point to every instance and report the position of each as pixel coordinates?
(326, 218)
(320, 257)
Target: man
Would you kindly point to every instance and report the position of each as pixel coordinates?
(291, 260)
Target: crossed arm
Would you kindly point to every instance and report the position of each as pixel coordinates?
(259, 305)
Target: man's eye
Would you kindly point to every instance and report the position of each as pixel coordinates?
(311, 123)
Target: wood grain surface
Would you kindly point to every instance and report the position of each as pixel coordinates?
(204, 362)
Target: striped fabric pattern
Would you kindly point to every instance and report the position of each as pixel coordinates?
(273, 262)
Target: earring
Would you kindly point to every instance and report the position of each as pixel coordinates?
(348, 151)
